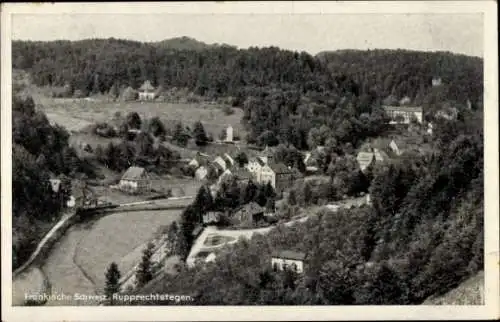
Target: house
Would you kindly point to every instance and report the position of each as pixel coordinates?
(250, 213)
(436, 81)
(279, 175)
(211, 217)
(71, 202)
(380, 156)
(365, 159)
(397, 146)
(199, 160)
(450, 113)
(146, 91)
(404, 114)
(429, 128)
(229, 160)
(312, 158)
(287, 259)
(201, 173)
(267, 154)
(221, 163)
(229, 134)
(135, 180)
(55, 184)
(254, 165)
(240, 174)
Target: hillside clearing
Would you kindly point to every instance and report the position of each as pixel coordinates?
(78, 113)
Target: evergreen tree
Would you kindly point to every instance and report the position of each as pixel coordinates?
(113, 276)
(199, 134)
(242, 159)
(144, 273)
(180, 136)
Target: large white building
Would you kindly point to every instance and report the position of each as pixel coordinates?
(288, 260)
(404, 114)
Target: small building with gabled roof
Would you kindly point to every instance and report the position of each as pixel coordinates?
(135, 180)
(147, 91)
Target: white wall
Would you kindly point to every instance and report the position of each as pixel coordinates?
(282, 261)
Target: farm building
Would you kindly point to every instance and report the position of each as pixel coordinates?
(135, 180)
(286, 259)
(404, 114)
(279, 175)
(147, 91)
(250, 213)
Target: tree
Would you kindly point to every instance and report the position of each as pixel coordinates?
(242, 159)
(267, 138)
(112, 286)
(133, 120)
(156, 127)
(199, 134)
(144, 272)
(180, 136)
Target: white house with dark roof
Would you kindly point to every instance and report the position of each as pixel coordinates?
(135, 180)
(147, 91)
(404, 114)
(287, 259)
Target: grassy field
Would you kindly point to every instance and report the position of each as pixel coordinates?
(75, 114)
(114, 237)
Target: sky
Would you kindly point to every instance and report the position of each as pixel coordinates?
(459, 33)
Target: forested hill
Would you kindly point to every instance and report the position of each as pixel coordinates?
(94, 65)
(410, 73)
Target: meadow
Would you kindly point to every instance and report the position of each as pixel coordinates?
(118, 237)
(76, 114)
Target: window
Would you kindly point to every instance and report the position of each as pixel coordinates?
(294, 267)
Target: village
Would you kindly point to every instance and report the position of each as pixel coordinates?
(262, 168)
(243, 176)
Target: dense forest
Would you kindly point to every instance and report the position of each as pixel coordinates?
(40, 152)
(423, 236)
(284, 94)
